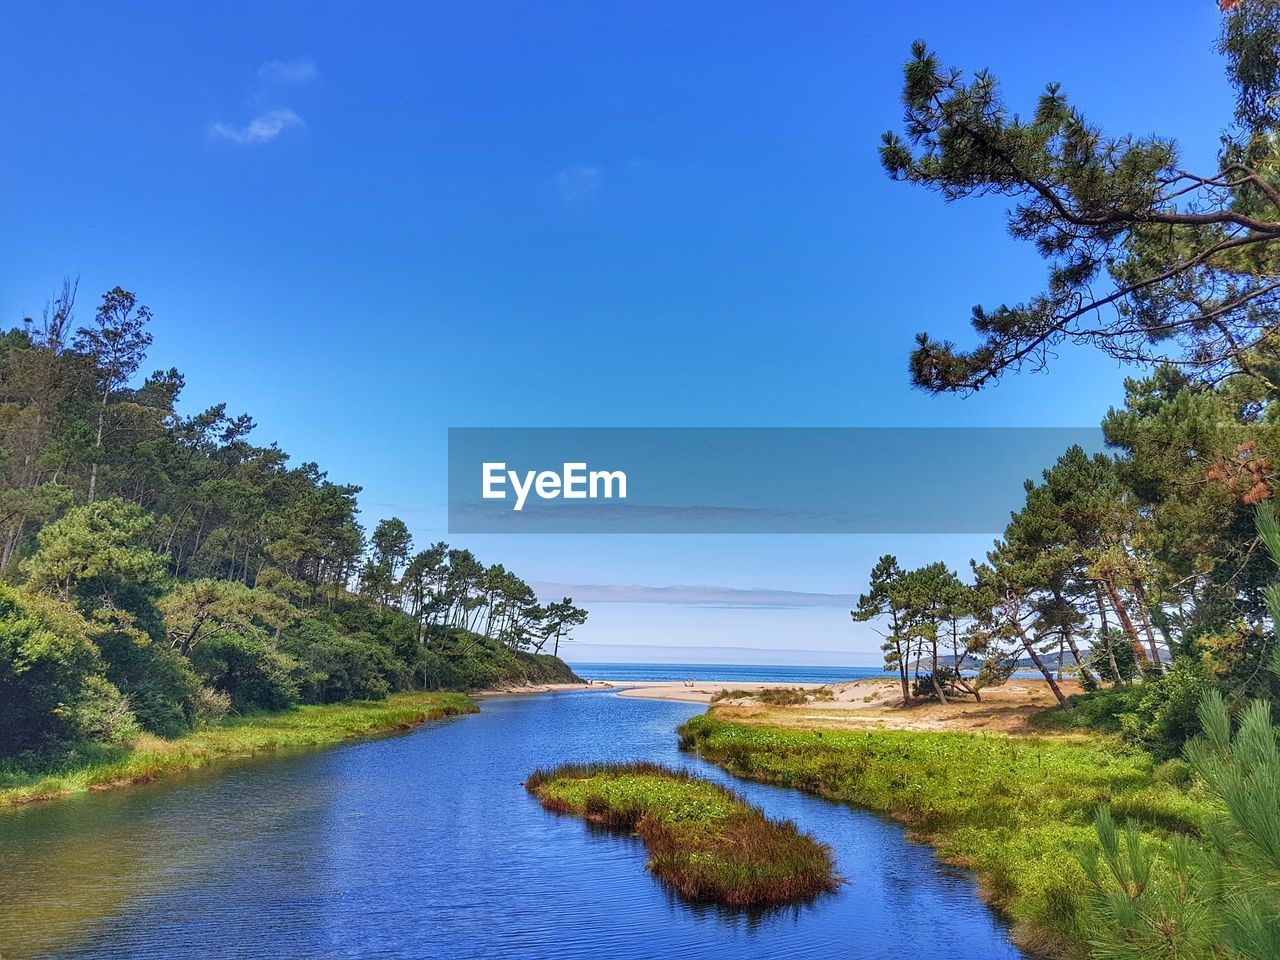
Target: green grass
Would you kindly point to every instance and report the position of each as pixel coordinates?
(1017, 811)
(706, 842)
(99, 768)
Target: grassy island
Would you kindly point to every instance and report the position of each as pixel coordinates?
(150, 757)
(703, 840)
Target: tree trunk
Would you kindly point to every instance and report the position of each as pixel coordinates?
(1105, 626)
(97, 446)
(933, 674)
(1144, 608)
(1126, 623)
(11, 543)
(1048, 674)
(958, 663)
(1085, 672)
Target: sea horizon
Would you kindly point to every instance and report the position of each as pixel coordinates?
(702, 672)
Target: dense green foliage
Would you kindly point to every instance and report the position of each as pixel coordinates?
(1142, 564)
(98, 766)
(1147, 260)
(1019, 812)
(708, 843)
(50, 679)
(158, 571)
(1218, 899)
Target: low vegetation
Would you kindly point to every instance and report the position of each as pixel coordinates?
(99, 767)
(703, 840)
(775, 696)
(1019, 812)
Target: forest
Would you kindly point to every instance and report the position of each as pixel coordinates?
(161, 571)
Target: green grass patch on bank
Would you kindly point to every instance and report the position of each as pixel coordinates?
(96, 767)
(1017, 811)
(705, 841)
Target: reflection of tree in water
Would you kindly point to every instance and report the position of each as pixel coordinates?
(71, 867)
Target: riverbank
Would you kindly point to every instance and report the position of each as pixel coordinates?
(523, 688)
(1017, 811)
(150, 757)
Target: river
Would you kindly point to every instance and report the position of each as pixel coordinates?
(426, 845)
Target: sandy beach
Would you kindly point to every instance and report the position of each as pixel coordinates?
(699, 691)
(871, 703)
(543, 688)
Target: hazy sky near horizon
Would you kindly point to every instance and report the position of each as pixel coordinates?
(364, 225)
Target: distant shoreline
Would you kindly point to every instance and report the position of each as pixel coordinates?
(657, 672)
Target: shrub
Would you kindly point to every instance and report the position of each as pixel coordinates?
(252, 674)
(46, 663)
(344, 668)
(1176, 772)
(1158, 714)
(994, 672)
(461, 660)
(1169, 705)
(774, 696)
(1121, 650)
(101, 714)
(208, 706)
(160, 685)
(1197, 899)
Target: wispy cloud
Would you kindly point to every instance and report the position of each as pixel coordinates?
(300, 70)
(691, 595)
(268, 125)
(577, 183)
(262, 129)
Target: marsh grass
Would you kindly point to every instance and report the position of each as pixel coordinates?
(1017, 811)
(95, 767)
(705, 841)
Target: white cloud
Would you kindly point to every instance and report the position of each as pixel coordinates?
(578, 182)
(300, 70)
(261, 129)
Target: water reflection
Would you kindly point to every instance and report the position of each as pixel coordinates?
(427, 844)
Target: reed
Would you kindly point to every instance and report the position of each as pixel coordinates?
(703, 840)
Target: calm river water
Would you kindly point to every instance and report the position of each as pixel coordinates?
(426, 845)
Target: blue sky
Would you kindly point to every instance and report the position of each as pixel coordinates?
(366, 224)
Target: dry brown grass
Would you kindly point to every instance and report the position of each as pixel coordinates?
(875, 704)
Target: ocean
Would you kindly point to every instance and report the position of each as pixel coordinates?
(744, 673)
